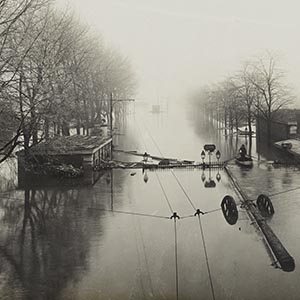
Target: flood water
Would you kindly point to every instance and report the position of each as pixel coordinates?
(115, 239)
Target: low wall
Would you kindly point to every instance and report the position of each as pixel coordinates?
(279, 130)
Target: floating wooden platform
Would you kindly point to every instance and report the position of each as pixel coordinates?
(150, 166)
(163, 163)
(153, 157)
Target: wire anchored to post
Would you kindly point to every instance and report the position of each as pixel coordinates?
(198, 212)
(175, 216)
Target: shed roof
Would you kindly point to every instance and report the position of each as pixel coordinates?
(70, 145)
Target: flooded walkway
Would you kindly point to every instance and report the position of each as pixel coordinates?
(115, 240)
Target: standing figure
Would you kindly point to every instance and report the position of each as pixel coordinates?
(243, 151)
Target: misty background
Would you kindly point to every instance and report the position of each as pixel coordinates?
(177, 46)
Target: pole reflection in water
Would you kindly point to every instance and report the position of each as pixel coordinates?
(218, 176)
(210, 183)
(146, 177)
(56, 244)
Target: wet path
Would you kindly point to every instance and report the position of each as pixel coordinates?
(66, 243)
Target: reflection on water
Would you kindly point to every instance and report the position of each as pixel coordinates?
(45, 240)
(114, 240)
(8, 175)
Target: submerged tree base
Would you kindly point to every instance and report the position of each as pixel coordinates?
(57, 170)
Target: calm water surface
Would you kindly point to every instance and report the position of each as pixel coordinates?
(65, 242)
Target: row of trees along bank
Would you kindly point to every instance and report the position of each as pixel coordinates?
(258, 88)
(54, 72)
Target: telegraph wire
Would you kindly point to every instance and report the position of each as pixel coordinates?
(164, 192)
(128, 213)
(204, 213)
(175, 216)
(286, 191)
(198, 212)
(158, 179)
(212, 211)
(279, 193)
(182, 188)
(176, 260)
(206, 257)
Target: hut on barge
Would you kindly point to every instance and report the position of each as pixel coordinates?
(84, 153)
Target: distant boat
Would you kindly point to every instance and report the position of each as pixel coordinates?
(156, 109)
(245, 132)
(246, 161)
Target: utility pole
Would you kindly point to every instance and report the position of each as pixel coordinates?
(111, 114)
(112, 102)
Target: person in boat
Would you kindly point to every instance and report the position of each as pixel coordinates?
(243, 151)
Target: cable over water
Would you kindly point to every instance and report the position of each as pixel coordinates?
(204, 213)
(129, 213)
(283, 192)
(158, 179)
(165, 194)
(176, 178)
(198, 212)
(176, 260)
(206, 257)
(182, 188)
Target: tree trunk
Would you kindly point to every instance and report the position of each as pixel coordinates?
(46, 129)
(65, 128)
(34, 131)
(250, 145)
(236, 122)
(269, 126)
(225, 122)
(269, 131)
(78, 126)
(249, 123)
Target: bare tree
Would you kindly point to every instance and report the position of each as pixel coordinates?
(247, 95)
(272, 94)
(54, 74)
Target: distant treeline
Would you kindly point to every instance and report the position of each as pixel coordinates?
(258, 88)
(54, 72)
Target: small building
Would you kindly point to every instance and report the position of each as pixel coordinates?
(83, 152)
(283, 127)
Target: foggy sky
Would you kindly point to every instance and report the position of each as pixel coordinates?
(176, 46)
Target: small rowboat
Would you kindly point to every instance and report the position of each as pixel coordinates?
(244, 161)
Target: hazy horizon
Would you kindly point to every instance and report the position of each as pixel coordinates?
(178, 46)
